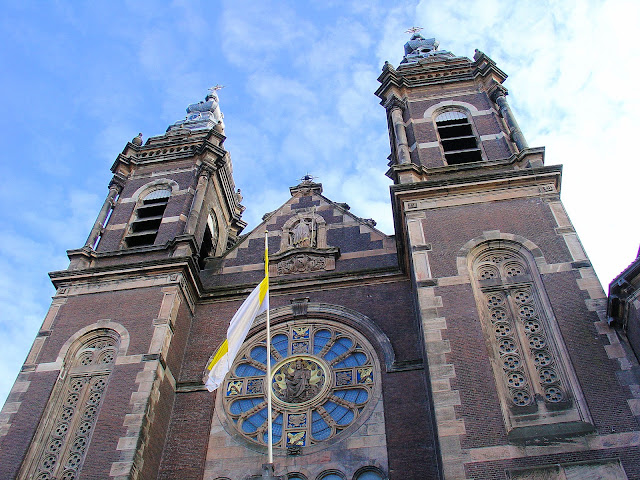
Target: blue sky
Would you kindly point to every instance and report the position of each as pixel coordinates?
(80, 79)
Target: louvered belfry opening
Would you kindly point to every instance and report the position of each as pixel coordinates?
(458, 141)
(144, 228)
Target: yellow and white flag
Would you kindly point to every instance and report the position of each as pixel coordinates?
(254, 305)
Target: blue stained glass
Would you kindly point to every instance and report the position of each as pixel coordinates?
(246, 370)
(338, 348)
(280, 343)
(319, 428)
(259, 354)
(277, 430)
(342, 415)
(320, 339)
(353, 360)
(251, 424)
(243, 405)
(295, 476)
(353, 395)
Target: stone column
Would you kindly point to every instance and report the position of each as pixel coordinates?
(107, 206)
(201, 190)
(402, 145)
(499, 97)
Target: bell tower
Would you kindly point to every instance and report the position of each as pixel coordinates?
(506, 295)
(95, 393)
(470, 126)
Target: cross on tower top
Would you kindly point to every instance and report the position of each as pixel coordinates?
(215, 88)
(414, 30)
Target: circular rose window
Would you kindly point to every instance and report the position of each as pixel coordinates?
(323, 383)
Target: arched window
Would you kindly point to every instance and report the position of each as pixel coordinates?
(458, 140)
(61, 442)
(147, 218)
(368, 473)
(535, 380)
(331, 475)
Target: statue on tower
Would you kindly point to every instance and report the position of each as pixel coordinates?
(203, 115)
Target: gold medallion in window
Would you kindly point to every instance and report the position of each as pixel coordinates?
(324, 384)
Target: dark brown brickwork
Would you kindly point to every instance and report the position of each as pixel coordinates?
(109, 427)
(448, 229)
(14, 446)
(156, 436)
(186, 448)
(134, 309)
(412, 451)
(474, 377)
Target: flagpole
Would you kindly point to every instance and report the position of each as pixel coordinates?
(268, 382)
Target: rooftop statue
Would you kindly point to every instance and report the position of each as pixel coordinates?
(203, 115)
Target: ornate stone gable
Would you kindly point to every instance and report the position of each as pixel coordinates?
(307, 235)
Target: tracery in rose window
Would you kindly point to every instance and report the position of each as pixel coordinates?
(325, 380)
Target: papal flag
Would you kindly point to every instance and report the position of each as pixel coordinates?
(254, 305)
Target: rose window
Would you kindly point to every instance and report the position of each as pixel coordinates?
(324, 381)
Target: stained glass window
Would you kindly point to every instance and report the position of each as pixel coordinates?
(324, 376)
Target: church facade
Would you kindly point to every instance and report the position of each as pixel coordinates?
(472, 344)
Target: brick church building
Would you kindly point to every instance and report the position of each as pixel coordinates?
(472, 344)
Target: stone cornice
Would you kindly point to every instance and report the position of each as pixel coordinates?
(296, 284)
(530, 157)
(527, 175)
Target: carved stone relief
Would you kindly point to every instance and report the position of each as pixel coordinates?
(531, 367)
(303, 246)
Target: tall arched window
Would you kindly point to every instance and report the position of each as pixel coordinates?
(147, 218)
(458, 140)
(534, 377)
(59, 447)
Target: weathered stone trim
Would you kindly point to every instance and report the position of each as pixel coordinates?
(143, 401)
(117, 284)
(433, 324)
(153, 185)
(14, 400)
(174, 193)
(597, 302)
(429, 112)
(138, 175)
(475, 198)
(577, 444)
